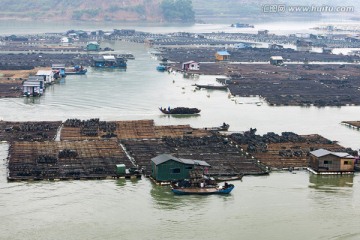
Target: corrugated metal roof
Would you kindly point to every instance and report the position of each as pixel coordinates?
(31, 84)
(166, 157)
(202, 163)
(58, 66)
(276, 58)
(189, 62)
(95, 43)
(35, 78)
(223, 53)
(323, 152)
(320, 152)
(109, 57)
(44, 73)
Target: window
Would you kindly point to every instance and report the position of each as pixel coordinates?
(189, 167)
(347, 162)
(175, 170)
(327, 162)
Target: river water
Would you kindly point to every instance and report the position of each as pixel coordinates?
(279, 206)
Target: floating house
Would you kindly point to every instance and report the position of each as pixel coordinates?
(59, 70)
(109, 61)
(263, 32)
(275, 46)
(276, 60)
(93, 46)
(323, 161)
(190, 66)
(222, 56)
(166, 167)
(242, 45)
(48, 76)
(34, 86)
(327, 50)
(303, 45)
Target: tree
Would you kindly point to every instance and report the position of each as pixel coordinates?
(177, 10)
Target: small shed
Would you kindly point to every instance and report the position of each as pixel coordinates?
(48, 76)
(166, 167)
(93, 46)
(263, 32)
(324, 161)
(276, 60)
(222, 56)
(58, 69)
(303, 45)
(191, 65)
(33, 86)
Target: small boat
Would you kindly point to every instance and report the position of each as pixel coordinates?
(179, 110)
(226, 189)
(77, 70)
(109, 61)
(161, 68)
(128, 56)
(223, 127)
(215, 87)
(228, 178)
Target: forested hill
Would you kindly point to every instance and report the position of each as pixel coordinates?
(161, 10)
(97, 10)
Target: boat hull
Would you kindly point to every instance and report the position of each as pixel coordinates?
(180, 111)
(221, 87)
(83, 72)
(203, 191)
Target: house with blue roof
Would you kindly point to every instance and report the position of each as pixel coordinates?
(222, 55)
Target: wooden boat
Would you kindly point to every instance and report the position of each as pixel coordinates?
(203, 190)
(128, 56)
(215, 87)
(223, 127)
(180, 110)
(75, 71)
(228, 178)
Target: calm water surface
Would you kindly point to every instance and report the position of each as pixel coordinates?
(279, 206)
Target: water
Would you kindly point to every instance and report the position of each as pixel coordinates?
(279, 206)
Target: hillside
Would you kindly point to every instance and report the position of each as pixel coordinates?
(161, 10)
(91, 10)
(249, 10)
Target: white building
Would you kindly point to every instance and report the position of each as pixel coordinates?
(191, 65)
(34, 86)
(48, 75)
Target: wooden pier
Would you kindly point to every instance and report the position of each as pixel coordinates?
(352, 124)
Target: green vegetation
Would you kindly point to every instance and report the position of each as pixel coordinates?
(177, 10)
(77, 15)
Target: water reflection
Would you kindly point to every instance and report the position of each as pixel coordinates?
(31, 100)
(330, 181)
(165, 199)
(122, 182)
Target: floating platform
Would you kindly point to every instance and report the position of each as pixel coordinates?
(352, 124)
(329, 173)
(65, 160)
(283, 151)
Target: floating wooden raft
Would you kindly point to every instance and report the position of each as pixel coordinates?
(65, 160)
